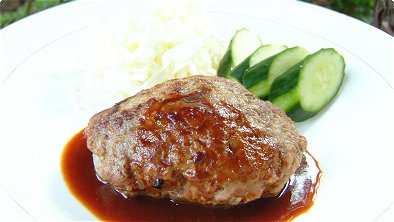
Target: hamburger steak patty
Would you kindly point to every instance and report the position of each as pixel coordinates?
(200, 139)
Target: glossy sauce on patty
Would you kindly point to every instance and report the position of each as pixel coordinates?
(175, 129)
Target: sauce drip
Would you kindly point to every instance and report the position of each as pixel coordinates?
(107, 204)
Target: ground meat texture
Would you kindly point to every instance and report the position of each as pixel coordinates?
(200, 139)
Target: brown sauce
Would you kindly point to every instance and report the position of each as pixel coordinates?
(107, 204)
(188, 123)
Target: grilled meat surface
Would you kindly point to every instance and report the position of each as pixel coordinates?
(200, 139)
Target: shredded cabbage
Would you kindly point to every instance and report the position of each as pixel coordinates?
(136, 52)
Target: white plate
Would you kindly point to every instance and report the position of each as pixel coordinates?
(352, 139)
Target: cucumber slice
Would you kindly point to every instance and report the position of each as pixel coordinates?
(260, 54)
(271, 69)
(265, 52)
(321, 79)
(284, 89)
(285, 60)
(257, 74)
(243, 43)
(307, 87)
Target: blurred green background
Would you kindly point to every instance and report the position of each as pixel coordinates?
(375, 12)
(359, 9)
(13, 10)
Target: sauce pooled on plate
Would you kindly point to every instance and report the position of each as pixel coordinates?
(107, 204)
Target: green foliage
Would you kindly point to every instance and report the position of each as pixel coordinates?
(9, 17)
(44, 4)
(360, 9)
(27, 8)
